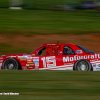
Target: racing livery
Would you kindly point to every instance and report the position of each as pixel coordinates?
(53, 57)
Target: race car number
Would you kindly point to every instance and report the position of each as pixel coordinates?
(49, 61)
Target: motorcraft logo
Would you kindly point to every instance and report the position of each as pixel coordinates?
(76, 57)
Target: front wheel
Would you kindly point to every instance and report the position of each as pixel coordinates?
(10, 64)
(82, 65)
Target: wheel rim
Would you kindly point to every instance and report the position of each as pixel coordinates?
(82, 66)
(10, 65)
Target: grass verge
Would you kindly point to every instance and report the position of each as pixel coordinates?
(50, 85)
(47, 22)
(6, 48)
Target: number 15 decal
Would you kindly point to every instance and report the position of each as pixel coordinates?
(49, 61)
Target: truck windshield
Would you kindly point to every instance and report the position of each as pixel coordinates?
(85, 50)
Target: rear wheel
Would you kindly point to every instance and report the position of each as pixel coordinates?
(10, 64)
(82, 65)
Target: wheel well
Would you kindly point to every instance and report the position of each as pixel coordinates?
(81, 60)
(16, 60)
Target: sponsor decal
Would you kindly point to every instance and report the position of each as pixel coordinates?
(24, 68)
(1, 58)
(25, 55)
(0, 65)
(33, 54)
(35, 61)
(22, 59)
(94, 65)
(36, 57)
(12, 56)
(68, 63)
(92, 60)
(29, 57)
(36, 67)
(98, 65)
(29, 62)
(78, 51)
(32, 64)
(30, 67)
(98, 68)
(67, 59)
(36, 64)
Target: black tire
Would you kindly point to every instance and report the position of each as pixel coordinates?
(10, 64)
(82, 65)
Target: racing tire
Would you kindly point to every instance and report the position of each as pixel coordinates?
(82, 65)
(10, 64)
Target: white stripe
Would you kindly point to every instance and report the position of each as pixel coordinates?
(95, 61)
(68, 68)
(57, 67)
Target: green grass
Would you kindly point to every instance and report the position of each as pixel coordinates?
(8, 49)
(50, 85)
(48, 22)
(4, 3)
(40, 4)
(48, 4)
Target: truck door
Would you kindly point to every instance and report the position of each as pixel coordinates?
(49, 60)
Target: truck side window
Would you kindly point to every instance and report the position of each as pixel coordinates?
(68, 51)
(42, 51)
